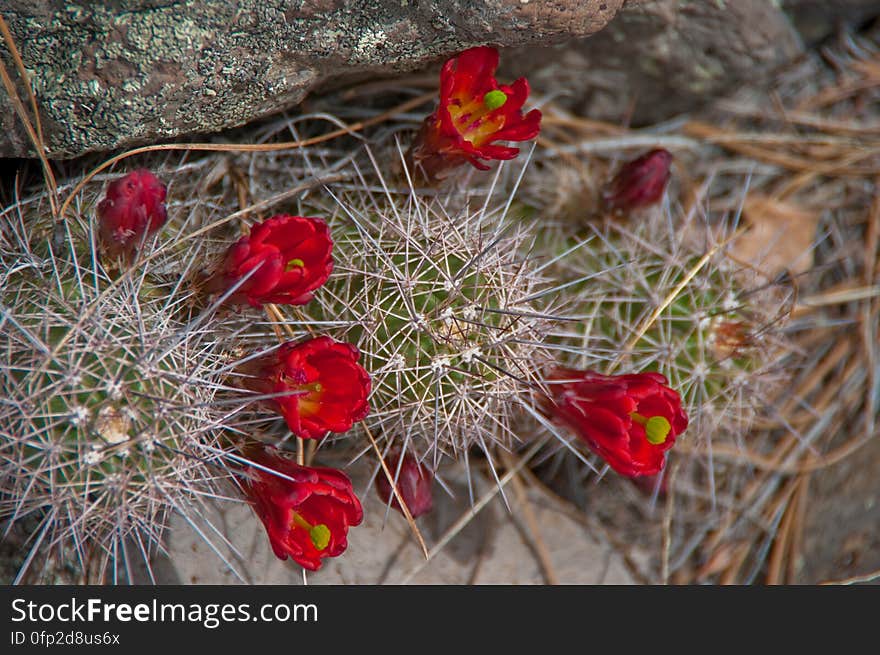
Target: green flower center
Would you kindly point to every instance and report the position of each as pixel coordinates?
(657, 428)
(494, 99)
(319, 534)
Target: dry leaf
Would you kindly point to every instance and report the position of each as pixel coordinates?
(780, 236)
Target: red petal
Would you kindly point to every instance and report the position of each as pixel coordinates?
(319, 495)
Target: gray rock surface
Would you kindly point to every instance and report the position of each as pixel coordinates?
(661, 57)
(494, 548)
(816, 19)
(106, 78)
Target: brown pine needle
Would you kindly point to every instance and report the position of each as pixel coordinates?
(390, 477)
(19, 64)
(842, 166)
(540, 546)
(35, 134)
(471, 514)
(672, 296)
(782, 542)
(246, 147)
(859, 579)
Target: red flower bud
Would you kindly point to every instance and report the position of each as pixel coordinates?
(413, 482)
(323, 388)
(307, 513)
(288, 257)
(133, 208)
(640, 182)
(474, 111)
(628, 420)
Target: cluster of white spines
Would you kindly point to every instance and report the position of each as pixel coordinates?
(107, 412)
(663, 302)
(439, 301)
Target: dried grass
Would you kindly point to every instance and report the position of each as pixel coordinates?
(735, 508)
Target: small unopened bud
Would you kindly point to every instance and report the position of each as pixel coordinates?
(639, 183)
(414, 484)
(133, 208)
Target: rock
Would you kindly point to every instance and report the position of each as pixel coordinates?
(816, 19)
(492, 549)
(106, 78)
(661, 57)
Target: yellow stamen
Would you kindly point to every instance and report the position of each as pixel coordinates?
(294, 263)
(657, 428)
(303, 389)
(470, 117)
(479, 134)
(319, 534)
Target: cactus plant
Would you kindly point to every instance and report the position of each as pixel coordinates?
(107, 411)
(441, 303)
(653, 296)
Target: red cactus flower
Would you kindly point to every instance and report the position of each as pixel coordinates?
(413, 481)
(288, 257)
(321, 386)
(474, 112)
(639, 183)
(628, 420)
(133, 208)
(307, 513)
